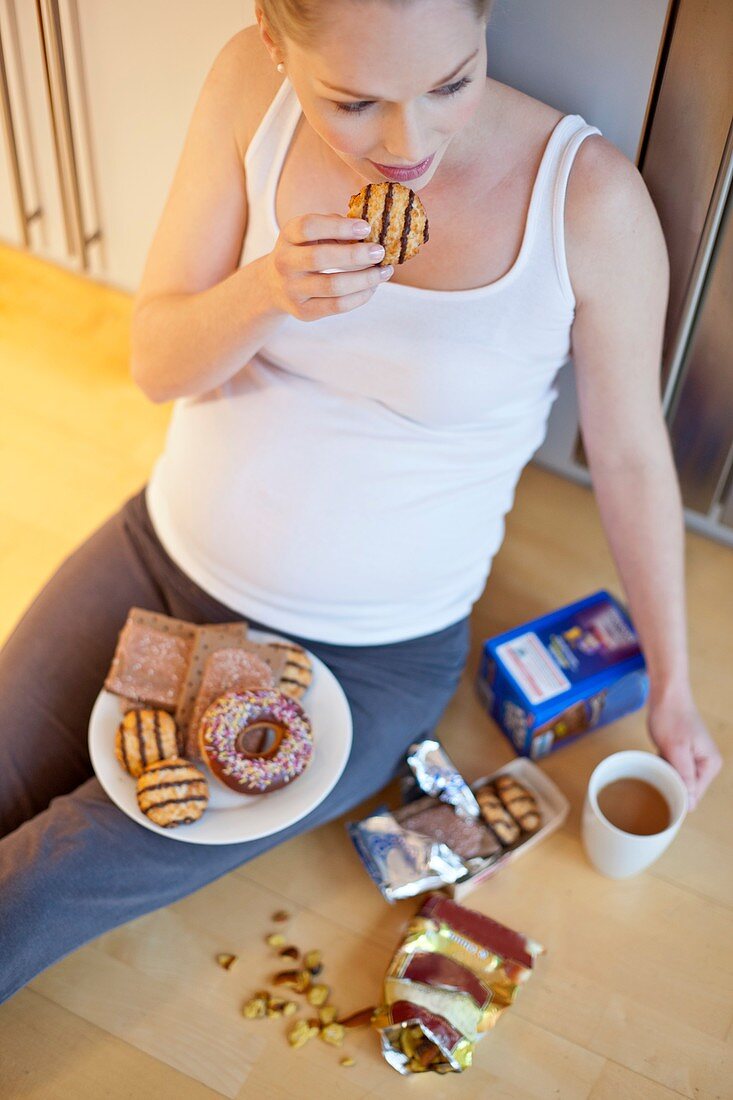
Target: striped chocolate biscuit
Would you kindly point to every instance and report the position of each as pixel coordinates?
(143, 737)
(298, 672)
(519, 802)
(172, 792)
(497, 816)
(397, 217)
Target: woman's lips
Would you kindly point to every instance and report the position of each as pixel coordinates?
(402, 174)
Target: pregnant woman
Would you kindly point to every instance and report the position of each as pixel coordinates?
(346, 438)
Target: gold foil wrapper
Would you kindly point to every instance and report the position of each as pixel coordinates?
(454, 973)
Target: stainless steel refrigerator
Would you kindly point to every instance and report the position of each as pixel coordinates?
(683, 121)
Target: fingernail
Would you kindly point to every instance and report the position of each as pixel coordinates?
(385, 272)
(362, 228)
(376, 251)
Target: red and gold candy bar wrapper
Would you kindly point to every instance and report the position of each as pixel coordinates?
(450, 979)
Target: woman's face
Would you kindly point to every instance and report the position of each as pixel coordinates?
(411, 75)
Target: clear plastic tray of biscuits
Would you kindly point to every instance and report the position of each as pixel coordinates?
(552, 807)
(452, 835)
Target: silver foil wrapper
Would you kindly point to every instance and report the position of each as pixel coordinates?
(439, 777)
(403, 863)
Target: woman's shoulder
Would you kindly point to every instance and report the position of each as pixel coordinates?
(608, 212)
(252, 80)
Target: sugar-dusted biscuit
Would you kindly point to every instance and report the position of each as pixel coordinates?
(143, 737)
(152, 657)
(397, 217)
(298, 673)
(150, 660)
(172, 792)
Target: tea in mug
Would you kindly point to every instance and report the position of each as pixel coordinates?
(634, 806)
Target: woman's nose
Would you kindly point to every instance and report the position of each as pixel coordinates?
(403, 138)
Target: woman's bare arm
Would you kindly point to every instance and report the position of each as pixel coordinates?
(197, 317)
(619, 269)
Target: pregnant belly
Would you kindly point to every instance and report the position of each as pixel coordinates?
(286, 498)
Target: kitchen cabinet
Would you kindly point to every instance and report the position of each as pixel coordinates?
(97, 99)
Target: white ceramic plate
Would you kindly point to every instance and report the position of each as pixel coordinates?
(231, 818)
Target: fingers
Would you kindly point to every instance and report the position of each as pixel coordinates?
(344, 282)
(315, 308)
(708, 767)
(325, 254)
(324, 227)
(680, 756)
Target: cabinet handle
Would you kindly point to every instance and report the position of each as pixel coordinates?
(16, 176)
(49, 25)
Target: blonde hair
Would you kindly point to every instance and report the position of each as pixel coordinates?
(301, 20)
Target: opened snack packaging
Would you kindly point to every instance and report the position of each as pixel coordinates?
(452, 976)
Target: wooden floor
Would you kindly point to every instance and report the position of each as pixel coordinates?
(634, 998)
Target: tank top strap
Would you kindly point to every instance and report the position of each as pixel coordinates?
(265, 154)
(566, 139)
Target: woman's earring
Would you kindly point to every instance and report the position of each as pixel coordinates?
(280, 67)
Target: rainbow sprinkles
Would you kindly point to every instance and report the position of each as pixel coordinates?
(231, 715)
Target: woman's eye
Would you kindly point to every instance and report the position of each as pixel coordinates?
(446, 90)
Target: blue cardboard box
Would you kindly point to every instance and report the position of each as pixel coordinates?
(551, 680)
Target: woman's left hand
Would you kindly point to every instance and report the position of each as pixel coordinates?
(682, 738)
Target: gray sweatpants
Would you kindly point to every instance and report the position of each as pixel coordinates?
(72, 865)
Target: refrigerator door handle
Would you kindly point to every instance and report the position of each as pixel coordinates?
(49, 26)
(711, 228)
(24, 218)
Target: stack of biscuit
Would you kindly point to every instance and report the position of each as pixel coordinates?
(167, 672)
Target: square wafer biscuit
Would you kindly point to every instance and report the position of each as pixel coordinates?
(151, 658)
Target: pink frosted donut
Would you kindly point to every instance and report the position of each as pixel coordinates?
(234, 735)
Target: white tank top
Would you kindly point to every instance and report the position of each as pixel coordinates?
(351, 484)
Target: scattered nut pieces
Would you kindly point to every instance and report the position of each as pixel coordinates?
(326, 1025)
(300, 1033)
(299, 980)
(318, 994)
(290, 952)
(333, 1034)
(255, 1009)
(280, 916)
(348, 1062)
(276, 1006)
(226, 961)
(312, 960)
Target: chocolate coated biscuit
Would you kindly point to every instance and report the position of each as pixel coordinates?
(397, 217)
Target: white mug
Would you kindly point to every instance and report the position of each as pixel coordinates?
(612, 851)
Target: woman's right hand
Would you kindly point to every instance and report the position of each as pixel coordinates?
(311, 242)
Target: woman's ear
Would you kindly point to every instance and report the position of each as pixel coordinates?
(265, 32)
